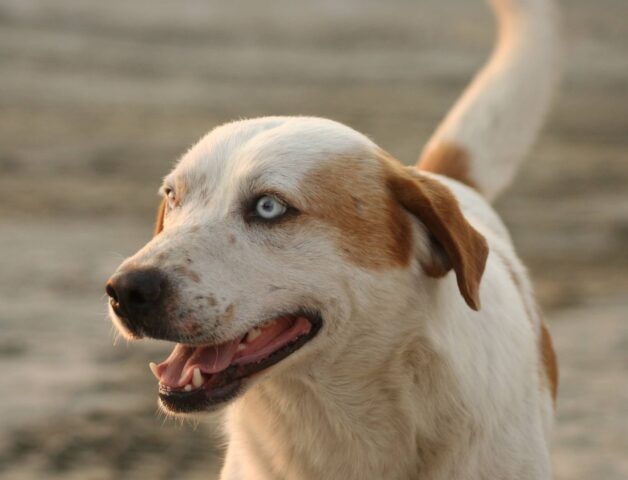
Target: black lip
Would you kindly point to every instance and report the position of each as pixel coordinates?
(228, 384)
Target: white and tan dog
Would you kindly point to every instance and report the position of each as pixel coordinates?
(359, 319)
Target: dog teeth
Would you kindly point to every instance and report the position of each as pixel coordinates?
(253, 334)
(153, 368)
(187, 388)
(241, 347)
(197, 378)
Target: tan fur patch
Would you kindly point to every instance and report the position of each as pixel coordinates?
(369, 226)
(550, 362)
(450, 160)
(366, 203)
(546, 349)
(161, 212)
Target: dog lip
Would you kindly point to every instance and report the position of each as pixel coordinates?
(223, 386)
(180, 401)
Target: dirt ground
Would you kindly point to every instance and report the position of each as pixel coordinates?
(98, 99)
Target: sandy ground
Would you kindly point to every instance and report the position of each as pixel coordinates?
(97, 99)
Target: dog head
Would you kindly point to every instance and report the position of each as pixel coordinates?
(273, 236)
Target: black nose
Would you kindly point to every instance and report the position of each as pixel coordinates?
(135, 294)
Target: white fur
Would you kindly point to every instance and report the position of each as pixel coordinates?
(404, 381)
(500, 113)
(421, 387)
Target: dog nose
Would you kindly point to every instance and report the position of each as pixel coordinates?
(135, 293)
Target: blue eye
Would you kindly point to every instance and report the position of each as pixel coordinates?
(269, 207)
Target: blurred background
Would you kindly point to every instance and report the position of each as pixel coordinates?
(98, 99)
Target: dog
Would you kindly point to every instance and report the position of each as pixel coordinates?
(357, 318)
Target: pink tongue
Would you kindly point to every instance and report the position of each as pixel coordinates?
(175, 370)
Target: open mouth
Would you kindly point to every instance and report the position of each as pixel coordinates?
(195, 378)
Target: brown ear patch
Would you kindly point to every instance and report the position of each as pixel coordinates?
(450, 160)
(161, 211)
(434, 205)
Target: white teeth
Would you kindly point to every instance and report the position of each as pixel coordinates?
(153, 368)
(241, 347)
(197, 378)
(253, 334)
(187, 388)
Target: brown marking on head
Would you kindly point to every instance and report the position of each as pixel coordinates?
(161, 212)
(550, 362)
(450, 160)
(464, 249)
(367, 205)
(370, 227)
(211, 301)
(232, 239)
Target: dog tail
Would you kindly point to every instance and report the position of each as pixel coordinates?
(491, 127)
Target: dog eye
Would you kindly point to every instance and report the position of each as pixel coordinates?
(171, 196)
(269, 207)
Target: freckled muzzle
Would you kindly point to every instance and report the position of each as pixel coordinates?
(197, 375)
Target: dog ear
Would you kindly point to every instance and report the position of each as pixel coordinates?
(456, 244)
(161, 211)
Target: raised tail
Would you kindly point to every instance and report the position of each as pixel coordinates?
(491, 127)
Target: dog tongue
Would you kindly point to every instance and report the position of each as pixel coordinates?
(177, 370)
(210, 359)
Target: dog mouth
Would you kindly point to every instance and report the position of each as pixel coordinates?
(195, 378)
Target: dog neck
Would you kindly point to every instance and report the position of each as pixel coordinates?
(353, 417)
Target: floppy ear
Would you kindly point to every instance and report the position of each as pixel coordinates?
(161, 211)
(457, 244)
